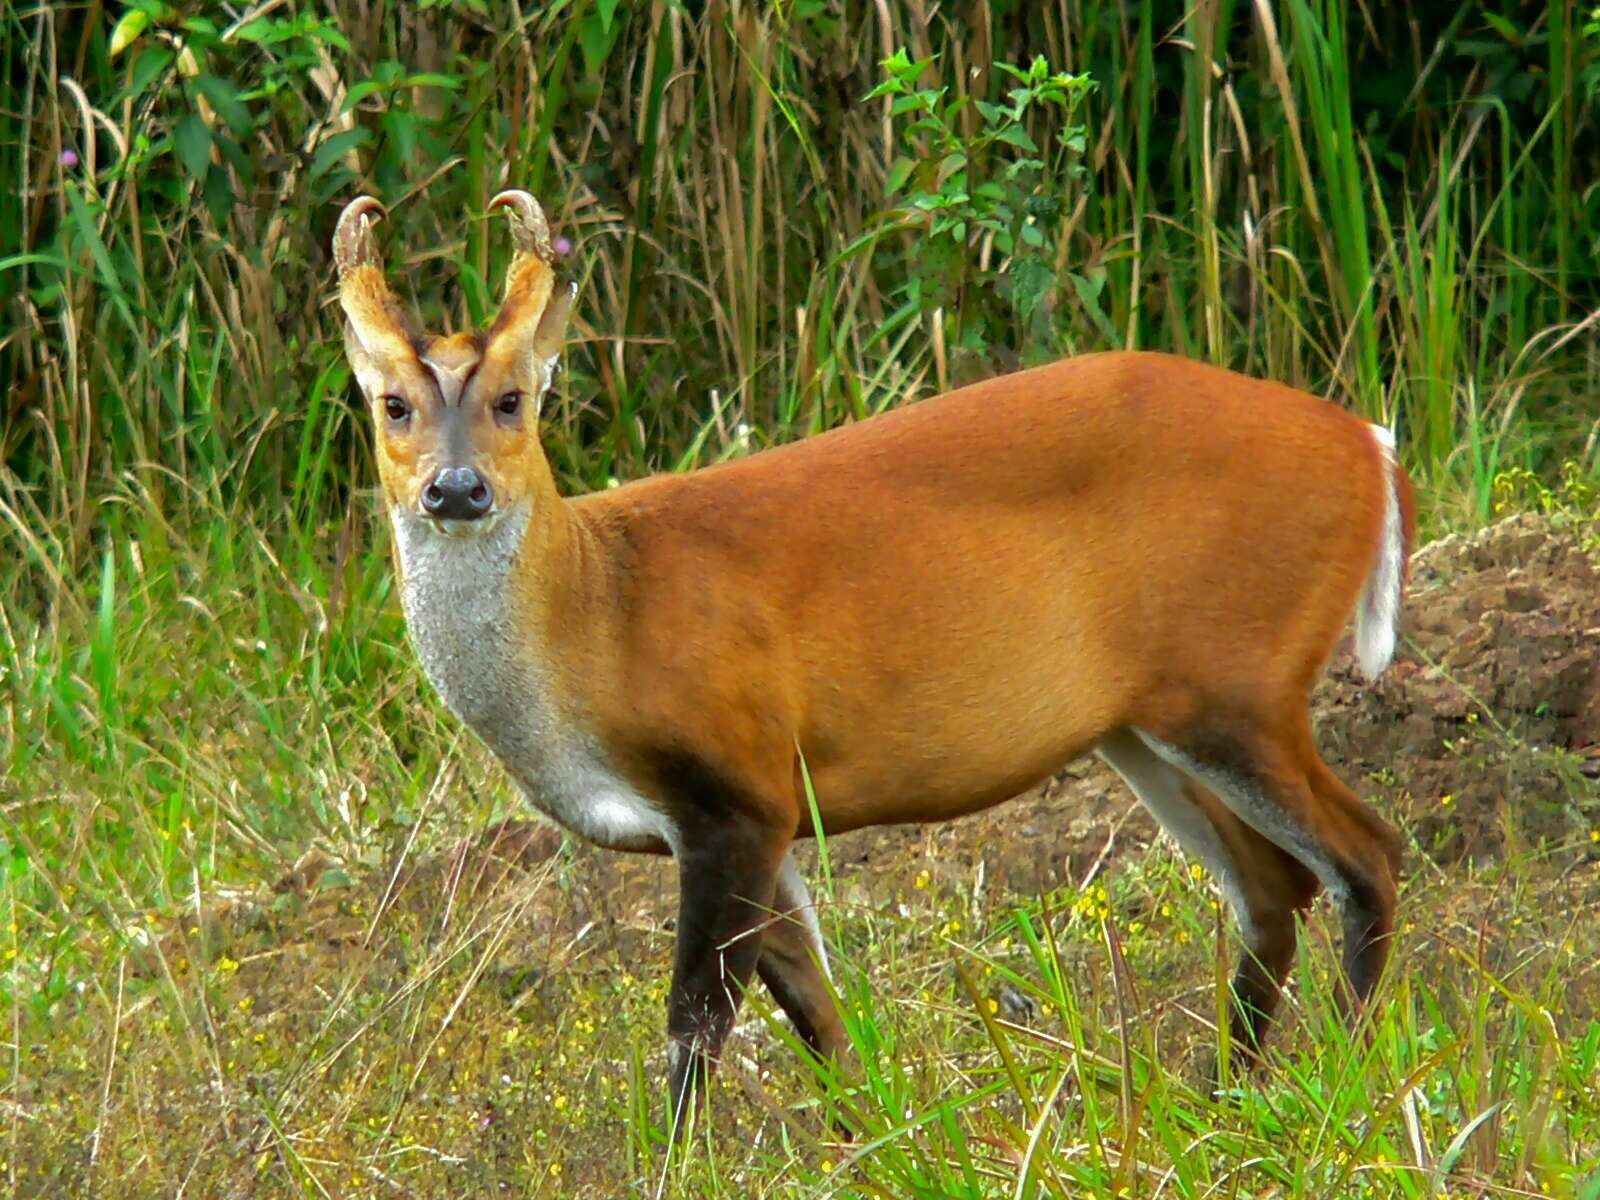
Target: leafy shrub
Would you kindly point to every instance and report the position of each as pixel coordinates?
(989, 202)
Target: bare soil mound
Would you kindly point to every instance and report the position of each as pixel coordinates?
(1485, 734)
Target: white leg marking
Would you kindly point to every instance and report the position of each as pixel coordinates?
(794, 898)
(1263, 814)
(1159, 786)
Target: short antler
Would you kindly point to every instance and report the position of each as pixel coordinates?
(531, 277)
(352, 236)
(530, 231)
(375, 317)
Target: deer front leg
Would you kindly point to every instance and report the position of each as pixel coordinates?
(727, 879)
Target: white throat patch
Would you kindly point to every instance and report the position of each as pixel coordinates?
(457, 598)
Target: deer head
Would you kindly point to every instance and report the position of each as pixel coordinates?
(456, 417)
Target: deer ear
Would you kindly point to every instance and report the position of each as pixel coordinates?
(550, 336)
(376, 329)
(551, 333)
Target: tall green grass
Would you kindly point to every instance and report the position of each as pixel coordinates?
(1388, 207)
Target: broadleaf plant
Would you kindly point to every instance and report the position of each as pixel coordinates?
(987, 201)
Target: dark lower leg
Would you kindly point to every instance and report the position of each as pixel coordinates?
(726, 888)
(1270, 887)
(1258, 985)
(1280, 888)
(1280, 788)
(1368, 926)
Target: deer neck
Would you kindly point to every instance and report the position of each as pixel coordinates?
(476, 624)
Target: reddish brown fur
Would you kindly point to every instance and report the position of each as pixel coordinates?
(944, 604)
(941, 606)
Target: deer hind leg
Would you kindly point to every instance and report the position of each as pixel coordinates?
(1276, 784)
(794, 961)
(1264, 886)
(1369, 926)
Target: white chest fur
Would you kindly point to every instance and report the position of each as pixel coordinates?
(457, 604)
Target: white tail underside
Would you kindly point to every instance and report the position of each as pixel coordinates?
(1378, 614)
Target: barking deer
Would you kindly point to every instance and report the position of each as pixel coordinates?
(1124, 554)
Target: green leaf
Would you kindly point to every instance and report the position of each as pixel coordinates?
(400, 128)
(1031, 281)
(90, 232)
(204, 29)
(127, 30)
(148, 65)
(1458, 1144)
(103, 649)
(1089, 297)
(592, 37)
(899, 64)
(335, 148)
(1016, 135)
(224, 98)
(899, 172)
(360, 92)
(193, 141)
(1504, 28)
(219, 194)
(433, 79)
(16, 862)
(261, 29)
(329, 36)
(237, 157)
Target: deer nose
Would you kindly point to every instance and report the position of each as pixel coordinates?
(457, 494)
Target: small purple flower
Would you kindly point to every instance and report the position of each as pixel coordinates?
(69, 158)
(562, 246)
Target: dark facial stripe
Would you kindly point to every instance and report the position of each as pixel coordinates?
(451, 381)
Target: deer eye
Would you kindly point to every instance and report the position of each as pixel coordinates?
(508, 404)
(396, 408)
